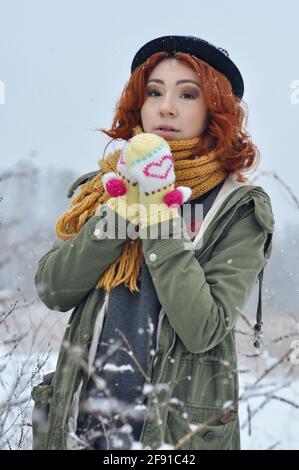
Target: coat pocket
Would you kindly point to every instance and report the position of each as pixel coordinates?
(179, 430)
(42, 395)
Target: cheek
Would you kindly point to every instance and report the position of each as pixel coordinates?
(142, 114)
(195, 121)
(202, 114)
(195, 115)
(144, 110)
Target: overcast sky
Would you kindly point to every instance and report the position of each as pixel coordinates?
(63, 65)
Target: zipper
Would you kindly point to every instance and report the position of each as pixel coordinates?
(166, 356)
(161, 316)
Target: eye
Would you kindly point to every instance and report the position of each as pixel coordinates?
(189, 94)
(150, 92)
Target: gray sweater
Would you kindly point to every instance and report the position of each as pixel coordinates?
(136, 316)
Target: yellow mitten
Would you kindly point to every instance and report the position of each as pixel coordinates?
(150, 162)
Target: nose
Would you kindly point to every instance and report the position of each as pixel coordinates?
(167, 106)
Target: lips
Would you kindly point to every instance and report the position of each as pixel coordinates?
(166, 128)
(167, 134)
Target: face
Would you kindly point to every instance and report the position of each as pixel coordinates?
(179, 105)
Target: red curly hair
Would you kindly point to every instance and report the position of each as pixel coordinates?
(225, 132)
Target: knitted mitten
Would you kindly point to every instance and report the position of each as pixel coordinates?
(150, 162)
(123, 190)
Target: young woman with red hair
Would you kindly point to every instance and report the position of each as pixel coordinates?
(157, 257)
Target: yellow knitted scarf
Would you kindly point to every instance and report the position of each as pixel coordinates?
(201, 174)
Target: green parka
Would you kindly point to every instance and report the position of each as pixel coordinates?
(202, 290)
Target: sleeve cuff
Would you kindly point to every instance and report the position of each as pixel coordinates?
(162, 241)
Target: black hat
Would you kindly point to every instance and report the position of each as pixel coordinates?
(217, 57)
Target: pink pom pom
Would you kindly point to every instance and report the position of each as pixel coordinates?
(116, 187)
(174, 198)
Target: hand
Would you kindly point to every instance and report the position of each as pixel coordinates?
(124, 192)
(149, 161)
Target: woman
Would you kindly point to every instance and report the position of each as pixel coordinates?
(149, 356)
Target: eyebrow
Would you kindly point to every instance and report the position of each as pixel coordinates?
(177, 83)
